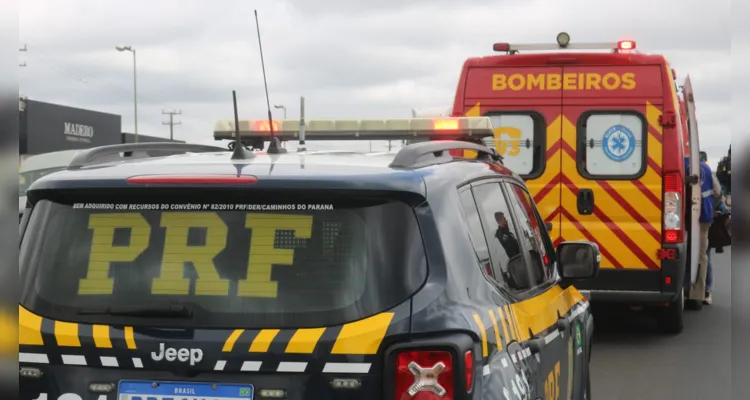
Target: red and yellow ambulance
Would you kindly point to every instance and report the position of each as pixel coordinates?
(598, 131)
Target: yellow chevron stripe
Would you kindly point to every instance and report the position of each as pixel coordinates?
(262, 342)
(304, 340)
(498, 341)
(473, 112)
(66, 334)
(30, 328)
(482, 333)
(570, 230)
(130, 338)
(100, 334)
(10, 331)
(231, 340)
(364, 336)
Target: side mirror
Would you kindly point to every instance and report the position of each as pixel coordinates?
(578, 260)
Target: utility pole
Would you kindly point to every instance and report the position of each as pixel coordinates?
(171, 122)
(24, 49)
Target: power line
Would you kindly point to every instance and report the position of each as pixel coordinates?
(171, 122)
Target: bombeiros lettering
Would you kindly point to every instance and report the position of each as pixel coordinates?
(183, 355)
(565, 81)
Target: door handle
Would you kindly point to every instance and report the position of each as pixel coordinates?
(585, 202)
(549, 226)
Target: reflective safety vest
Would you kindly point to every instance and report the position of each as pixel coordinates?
(707, 194)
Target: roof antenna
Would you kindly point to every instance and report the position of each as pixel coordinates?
(275, 146)
(238, 152)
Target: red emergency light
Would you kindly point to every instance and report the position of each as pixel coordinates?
(501, 47)
(626, 45)
(264, 126)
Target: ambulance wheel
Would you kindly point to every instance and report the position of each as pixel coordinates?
(587, 392)
(695, 305)
(670, 318)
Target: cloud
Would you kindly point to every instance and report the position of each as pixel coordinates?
(348, 58)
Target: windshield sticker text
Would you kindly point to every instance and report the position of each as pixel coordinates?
(176, 252)
(571, 81)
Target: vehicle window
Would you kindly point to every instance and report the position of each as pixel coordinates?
(255, 268)
(502, 237)
(540, 268)
(476, 234)
(514, 139)
(25, 179)
(615, 145)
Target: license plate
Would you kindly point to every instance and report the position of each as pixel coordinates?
(149, 390)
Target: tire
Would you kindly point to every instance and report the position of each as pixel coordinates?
(670, 318)
(695, 305)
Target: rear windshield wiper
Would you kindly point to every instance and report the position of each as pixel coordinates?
(155, 311)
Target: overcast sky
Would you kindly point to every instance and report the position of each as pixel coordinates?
(349, 58)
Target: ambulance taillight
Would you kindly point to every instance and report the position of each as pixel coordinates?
(625, 45)
(673, 208)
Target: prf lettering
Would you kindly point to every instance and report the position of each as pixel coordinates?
(580, 81)
(176, 252)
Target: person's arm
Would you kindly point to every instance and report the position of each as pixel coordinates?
(717, 186)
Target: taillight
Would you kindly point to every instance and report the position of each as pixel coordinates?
(673, 208)
(425, 375)
(469, 369)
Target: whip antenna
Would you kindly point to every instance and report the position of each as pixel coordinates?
(238, 152)
(274, 147)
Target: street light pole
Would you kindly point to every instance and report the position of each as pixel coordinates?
(135, 86)
(281, 106)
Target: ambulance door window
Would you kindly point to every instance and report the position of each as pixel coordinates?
(612, 145)
(518, 137)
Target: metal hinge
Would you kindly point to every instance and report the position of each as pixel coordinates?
(668, 119)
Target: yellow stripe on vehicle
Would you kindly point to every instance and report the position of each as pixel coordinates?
(504, 323)
(304, 340)
(101, 336)
(231, 340)
(498, 341)
(30, 328)
(9, 327)
(363, 337)
(66, 334)
(539, 313)
(483, 333)
(262, 342)
(130, 337)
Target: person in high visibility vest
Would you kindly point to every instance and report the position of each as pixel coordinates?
(709, 189)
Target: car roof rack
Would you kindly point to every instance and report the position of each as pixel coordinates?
(103, 154)
(411, 156)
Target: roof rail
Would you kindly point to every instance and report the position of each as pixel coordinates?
(102, 154)
(448, 128)
(409, 156)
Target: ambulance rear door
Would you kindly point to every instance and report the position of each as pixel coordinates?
(694, 191)
(611, 167)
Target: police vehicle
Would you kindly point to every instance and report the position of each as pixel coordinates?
(201, 273)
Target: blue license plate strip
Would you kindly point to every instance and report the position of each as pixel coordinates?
(156, 390)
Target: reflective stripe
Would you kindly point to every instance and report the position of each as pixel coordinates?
(707, 193)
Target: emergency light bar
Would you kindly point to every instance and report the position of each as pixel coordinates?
(563, 43)
(362, 129)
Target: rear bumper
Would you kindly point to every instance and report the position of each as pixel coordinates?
(639, 286)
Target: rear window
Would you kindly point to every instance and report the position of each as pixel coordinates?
(273, 264)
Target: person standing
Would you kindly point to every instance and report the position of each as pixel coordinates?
(697, 292)
(724, 175)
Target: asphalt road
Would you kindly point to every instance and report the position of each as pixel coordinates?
(632, 360)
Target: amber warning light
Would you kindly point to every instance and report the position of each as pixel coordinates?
(445, 125)
(264, 126)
